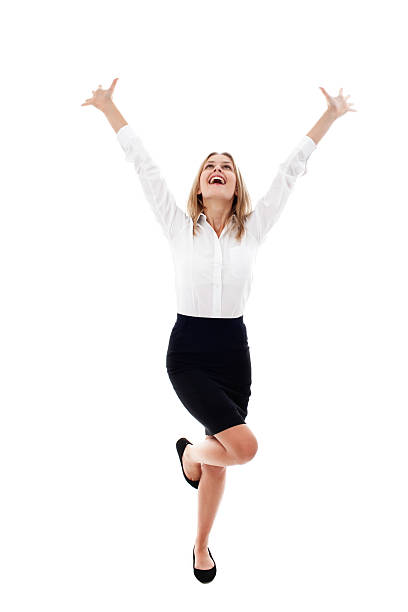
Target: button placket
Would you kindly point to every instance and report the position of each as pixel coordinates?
(217, 277)
(217, 271)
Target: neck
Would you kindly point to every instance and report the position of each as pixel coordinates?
(217, 215)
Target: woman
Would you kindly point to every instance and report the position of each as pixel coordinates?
(214, 247)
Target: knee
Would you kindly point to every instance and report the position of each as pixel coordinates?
(246, 450)
(213, 470)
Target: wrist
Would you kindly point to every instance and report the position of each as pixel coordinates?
(108, 106)
(115, 118)
(330, 115)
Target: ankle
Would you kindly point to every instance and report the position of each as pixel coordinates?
(200, 546)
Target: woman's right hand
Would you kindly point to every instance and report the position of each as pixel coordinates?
(101, 97)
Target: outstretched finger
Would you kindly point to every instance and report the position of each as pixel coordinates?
(113, 84)
(328, 96)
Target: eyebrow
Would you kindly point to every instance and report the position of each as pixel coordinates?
(211, 161)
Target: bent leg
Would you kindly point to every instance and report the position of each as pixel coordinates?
(239, 441)
(237, 445)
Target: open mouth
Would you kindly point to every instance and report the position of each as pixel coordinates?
(217, 180)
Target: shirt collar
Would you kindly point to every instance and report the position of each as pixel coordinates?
(205, 216)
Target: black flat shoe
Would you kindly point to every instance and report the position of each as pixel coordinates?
(204, 575)
(181, 445)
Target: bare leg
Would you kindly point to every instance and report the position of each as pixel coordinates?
(210, 491)
(233, 446)
(210, 451)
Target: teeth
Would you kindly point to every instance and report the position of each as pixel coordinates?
(217, 178)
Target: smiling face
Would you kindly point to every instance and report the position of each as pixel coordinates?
(222, 188)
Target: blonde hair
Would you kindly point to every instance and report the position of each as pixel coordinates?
(241, 204)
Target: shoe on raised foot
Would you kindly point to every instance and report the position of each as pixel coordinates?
(180, 446)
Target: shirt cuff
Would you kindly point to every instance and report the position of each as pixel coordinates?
(305, 148)
(124, 134)
(307, 145)
(132, 145)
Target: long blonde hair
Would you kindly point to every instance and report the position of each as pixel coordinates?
(241, 204)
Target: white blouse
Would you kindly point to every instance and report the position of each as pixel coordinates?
(213, 276)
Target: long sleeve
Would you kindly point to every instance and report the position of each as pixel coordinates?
(269, 208)
(170, 216)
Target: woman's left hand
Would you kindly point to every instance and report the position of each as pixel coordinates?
(338, 106)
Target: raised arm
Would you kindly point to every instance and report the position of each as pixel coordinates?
(168, 214)
(269, 208)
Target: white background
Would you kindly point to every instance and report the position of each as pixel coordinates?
(95, 513)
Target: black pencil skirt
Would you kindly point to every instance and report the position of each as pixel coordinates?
(209, 365)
